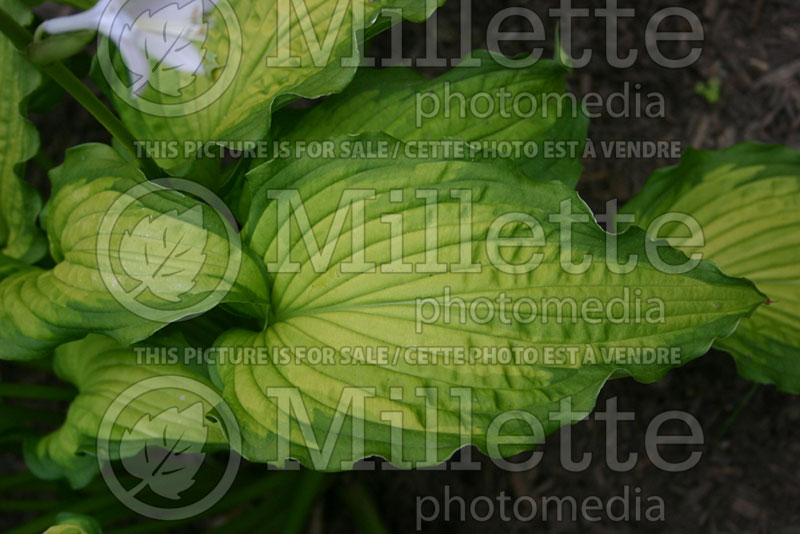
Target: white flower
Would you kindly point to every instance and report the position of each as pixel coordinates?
(144, 30)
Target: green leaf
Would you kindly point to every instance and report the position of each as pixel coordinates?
(19, 202)
(247, 47)
(344, 307)
(10, 266)
(171, 263)
(746, 200)
(489, 105)
(106, 226)
(102, 370)
(68, 523)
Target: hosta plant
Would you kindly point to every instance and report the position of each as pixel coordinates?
(362, 278)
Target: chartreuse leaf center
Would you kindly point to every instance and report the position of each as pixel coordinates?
(422, 304)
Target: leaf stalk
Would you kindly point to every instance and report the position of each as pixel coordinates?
(21, 38)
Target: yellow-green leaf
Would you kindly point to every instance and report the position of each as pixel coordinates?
(521, 114)
(106, 228)
(20, 204)
(259, 54)
(355, 361)
(746, 200)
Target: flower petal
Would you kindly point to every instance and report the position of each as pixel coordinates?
(135, 60)
(86, 20)
(189, 10)
(176, 53)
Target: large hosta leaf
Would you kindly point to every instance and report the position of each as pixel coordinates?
(126, 249)
(343, 307)
(318, 34)
(521, 114)
(747, 202)
(102, 371)
(19, 202)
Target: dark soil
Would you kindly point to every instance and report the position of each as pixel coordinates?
(748, 478)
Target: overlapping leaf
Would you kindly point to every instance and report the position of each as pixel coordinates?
(19, 202)
(520, 114)
(40, 309)
(102, 370)
(9, 266)
(317, 33)
(346, 308)
(747, 202)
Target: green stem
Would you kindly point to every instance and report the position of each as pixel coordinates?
(26, 481)
(18, 35)
(85, 506)
(310, 485)
(17, 505)
(41, 364)
(30, 391)
(363, 509)
(64, 77)
(732, 417)
(266, 487)
(25, 415)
